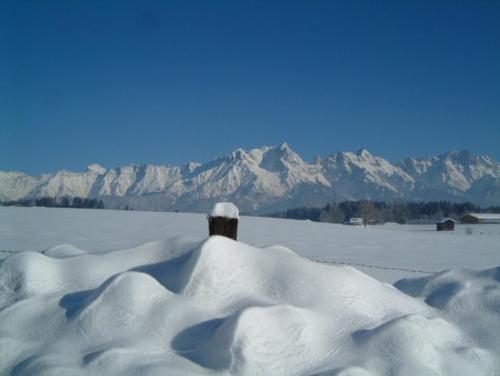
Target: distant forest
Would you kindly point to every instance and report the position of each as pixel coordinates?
(64, 202)
(374, 212)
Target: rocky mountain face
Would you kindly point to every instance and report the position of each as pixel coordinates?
(454, 176)
(270, 178)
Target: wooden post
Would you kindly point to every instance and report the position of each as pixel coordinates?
(223, 220)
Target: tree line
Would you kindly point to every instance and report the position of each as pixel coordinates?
(62, 202)
(374, 212)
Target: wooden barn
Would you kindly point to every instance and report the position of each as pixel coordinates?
(446, 224)
(484, 218)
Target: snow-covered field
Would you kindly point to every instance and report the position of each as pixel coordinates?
(417, 247)
(118, 292)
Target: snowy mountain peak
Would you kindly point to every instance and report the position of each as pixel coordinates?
(270, 178)
(281, 158)
(459, 156)
(191, 166)
(455, 174)
(235, 156)
(363, 152)
(284, 146)
(97, 168)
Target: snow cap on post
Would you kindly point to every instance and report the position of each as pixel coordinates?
(223, 220)
(224, 209)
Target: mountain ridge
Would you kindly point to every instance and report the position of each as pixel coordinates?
(270, 178)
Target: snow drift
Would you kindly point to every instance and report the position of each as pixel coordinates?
(224, 307)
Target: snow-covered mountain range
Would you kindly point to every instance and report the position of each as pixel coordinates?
(270, 178)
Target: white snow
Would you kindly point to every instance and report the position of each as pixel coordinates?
(225, 209)
(268, 179)
(191, 305)
(418, 247)
(97, 168)
(16, 185)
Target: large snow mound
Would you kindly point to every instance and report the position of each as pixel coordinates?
(179, 306)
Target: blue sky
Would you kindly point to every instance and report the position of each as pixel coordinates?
(116, 82)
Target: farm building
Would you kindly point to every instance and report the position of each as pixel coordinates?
(446, 224)
(476, 218)
(355, 221)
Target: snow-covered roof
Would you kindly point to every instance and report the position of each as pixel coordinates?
(447, 219)
(225, 209)
(484, 215)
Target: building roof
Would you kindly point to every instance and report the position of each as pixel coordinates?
(447, 219)
(484, 215)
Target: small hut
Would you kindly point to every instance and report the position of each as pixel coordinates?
(483, 218)
(446, 224)
(223, 220)
(354, 221)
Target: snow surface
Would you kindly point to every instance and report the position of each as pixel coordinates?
(191, 305)
(225, 209)
(416, 247)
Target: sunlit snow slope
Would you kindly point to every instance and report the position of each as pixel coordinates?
(222, 307)
(100, 295)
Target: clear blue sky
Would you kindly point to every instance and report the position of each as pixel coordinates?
(117, 82)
